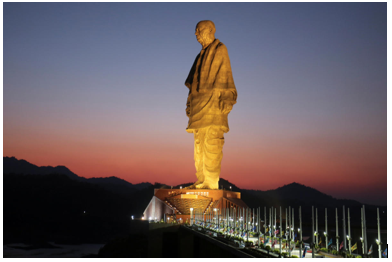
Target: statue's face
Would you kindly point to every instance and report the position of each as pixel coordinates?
(203, 33)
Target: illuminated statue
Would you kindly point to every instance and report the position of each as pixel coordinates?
(211, 97)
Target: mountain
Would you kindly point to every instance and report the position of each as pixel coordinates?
(11, 165)
(53, 203)
(15, 166)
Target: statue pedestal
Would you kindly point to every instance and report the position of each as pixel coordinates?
(177, 203)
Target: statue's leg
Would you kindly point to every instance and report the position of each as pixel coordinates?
(199, 135)
(213, 145)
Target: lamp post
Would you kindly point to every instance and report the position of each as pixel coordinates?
(337, 231)
(379, 236)
(349, 229)
(344, 230)
(317, 242)
(300, 233)
(191, 215)
(349, 243)
(312, 232)
(300, 243)
(326, 229)
(215, 217)
(379, 249)
(326, 239)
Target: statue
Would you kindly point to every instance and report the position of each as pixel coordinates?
(211, 97)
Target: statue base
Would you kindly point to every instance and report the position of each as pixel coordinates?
(176, 204)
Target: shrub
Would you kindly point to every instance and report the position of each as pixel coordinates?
(358, 256)
(324, 249)
(294, 256)
(268, 248)
(276, 251)
(285, 254)
(334, 252)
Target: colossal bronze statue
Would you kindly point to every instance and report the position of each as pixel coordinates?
(211, 97)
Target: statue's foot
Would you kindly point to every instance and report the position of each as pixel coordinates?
(202, 186)
(194, 186)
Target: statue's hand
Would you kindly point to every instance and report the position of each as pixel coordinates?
(225, 108)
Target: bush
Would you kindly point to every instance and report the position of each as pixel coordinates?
(294, 256)
(276, 251)
(285, 254)
(268, 248)
(358, 256)
(324, 249)
(334, 252)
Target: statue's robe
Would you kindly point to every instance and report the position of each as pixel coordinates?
(211, 85)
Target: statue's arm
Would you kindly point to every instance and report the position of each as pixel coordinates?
(227, 95)
(188, 104)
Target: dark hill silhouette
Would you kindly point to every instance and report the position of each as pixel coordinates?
(41, 205)
(113, 184)
(13, 165)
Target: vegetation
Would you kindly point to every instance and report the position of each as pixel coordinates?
(294, 256)
(324, 249)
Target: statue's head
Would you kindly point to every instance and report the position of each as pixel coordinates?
(205, 32)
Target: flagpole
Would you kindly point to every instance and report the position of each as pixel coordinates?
(247, 225)
(280, 229)
(349, 229)
(364, 226)
(317, 232)
(275, 222)
(379, 236)
(258, 226)
(313, 232)
(362, 238)
(265, 222)
(326, 228)
(337, 231)
(270, 222)
(253, 220)
(292, 224)
(289, 231)
(300, 233)
(286, 230)
(344, 231)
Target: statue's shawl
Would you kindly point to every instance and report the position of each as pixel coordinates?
(210, 82)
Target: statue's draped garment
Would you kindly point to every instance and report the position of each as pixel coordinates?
(211, 87)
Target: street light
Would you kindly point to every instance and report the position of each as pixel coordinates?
(132, 217)
(191, 214)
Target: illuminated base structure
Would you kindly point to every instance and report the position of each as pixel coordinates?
(178, 204)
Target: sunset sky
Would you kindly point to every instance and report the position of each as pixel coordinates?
(99, 88)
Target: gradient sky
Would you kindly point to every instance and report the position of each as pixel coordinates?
(99, 88)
